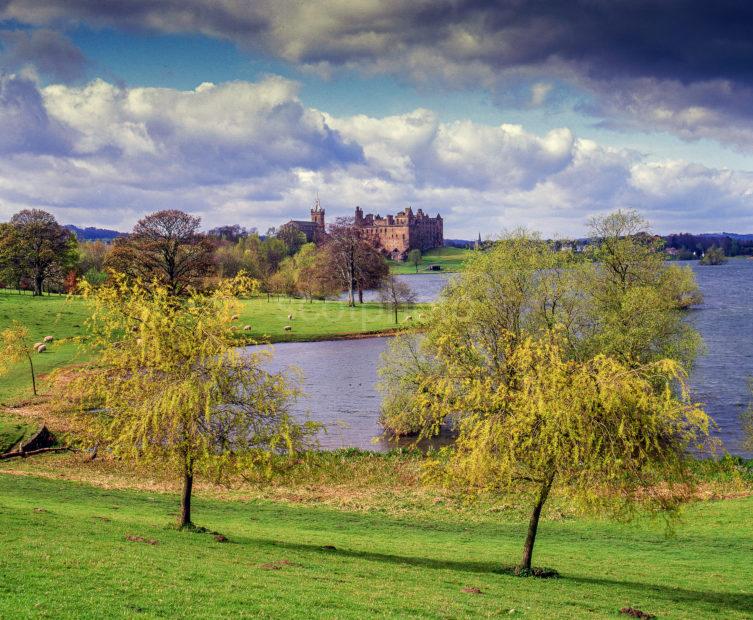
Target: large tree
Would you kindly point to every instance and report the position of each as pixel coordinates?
(356, 263)
(165, 247)
(561, 372)
(35, 246)
(170, 387)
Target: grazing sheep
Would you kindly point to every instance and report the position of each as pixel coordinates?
(235, 317)
(290, 317)
(48, 339)
(36, 345)
(247, 328)
(408, 318)
(41, 348)
(288, 328)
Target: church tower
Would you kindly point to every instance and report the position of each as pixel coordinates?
(317, 214)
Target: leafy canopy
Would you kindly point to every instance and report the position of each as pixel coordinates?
(170, 387)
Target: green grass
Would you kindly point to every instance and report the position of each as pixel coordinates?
(450, 259)
(12, 431)
(65, 319)
(43, 316)
(65, 555)
(317, 320)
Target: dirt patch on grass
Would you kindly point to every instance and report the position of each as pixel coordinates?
(276, 565)
(141, 539)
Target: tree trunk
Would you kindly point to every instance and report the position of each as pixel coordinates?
(38, 286)
(185, 500)
(360, 294)
(33, 378)
(533, 525)
(395, 314)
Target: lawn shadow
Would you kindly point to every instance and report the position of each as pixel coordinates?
(713, 601)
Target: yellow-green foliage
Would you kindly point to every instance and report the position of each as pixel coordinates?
(16, 348)
(558, 369)
(603, 431)
(169, 386)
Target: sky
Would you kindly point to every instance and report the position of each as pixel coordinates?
(495, 114)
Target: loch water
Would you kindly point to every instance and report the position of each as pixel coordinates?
(340, 375)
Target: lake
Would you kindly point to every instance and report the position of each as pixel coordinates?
(340, 375)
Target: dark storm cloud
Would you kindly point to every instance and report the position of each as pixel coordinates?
(47, 51)
(684, 66)
(687, 40)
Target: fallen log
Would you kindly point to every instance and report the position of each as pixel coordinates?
(24, 453)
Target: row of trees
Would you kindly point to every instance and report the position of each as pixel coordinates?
(37, 252)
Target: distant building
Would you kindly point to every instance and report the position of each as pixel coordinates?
(394, 235)
(313, 229)
(397, 235)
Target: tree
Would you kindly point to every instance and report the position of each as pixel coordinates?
(714, 256)
(233, 233)
(169, 386)
(599, 430)
(558, 371)
(36, 246)
(635, 300)
(414, 258)
(371, 268)
(293, 238)
(394, 294)
(356, 263)
(165, 246)
(16, 348)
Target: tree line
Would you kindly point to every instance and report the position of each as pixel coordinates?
(38, 254)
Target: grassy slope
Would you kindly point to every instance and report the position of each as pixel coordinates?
(65, 320)
(12, 431)
(72, 560)
(450, 259)
(43, 316)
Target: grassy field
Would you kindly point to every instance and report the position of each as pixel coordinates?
(317, 320)
(65, 319)
(65, 554)
(449, 259)
(43, 316)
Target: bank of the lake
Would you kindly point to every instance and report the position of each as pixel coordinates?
(64, 318)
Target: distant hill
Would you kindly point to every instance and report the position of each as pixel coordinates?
(738, 236)
(93, 234)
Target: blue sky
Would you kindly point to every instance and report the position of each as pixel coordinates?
(495, 116)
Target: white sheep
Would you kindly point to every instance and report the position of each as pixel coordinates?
(36, 345)
(247, 328)
(48, 339)
(290, 317)
(408, 318)
(41, 348)
(288, 328)
(235, 317)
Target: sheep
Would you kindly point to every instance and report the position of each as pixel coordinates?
(408, 318)
(48, 339)
(288, 328)
(247, 328)
(235, 317)
(290, 317)
(41, 348)
(36, 345)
